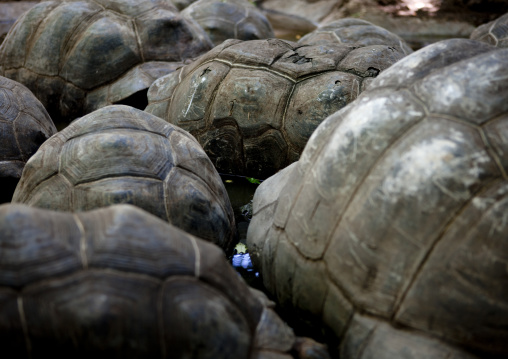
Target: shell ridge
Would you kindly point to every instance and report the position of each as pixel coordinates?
(283, 121)
(21, 312)
(395, 141)
(252, 67)
(16, 132)
(101, 130)
(108, 176)
(26, 195)
(82, 243)
(197, 255)
(164, 181)
(138, 40)
(211, 102)
(493, 152)
(439, 237)
(31, 42)
(68, 46)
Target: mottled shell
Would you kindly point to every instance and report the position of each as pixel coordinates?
(229, 19)
(119, 154)
(252, 105)
(24, 126)
(396, 214)
(355, 31)
(62, 50)
(118, 282)
(494, 32)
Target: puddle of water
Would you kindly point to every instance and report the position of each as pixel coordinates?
(241, 191)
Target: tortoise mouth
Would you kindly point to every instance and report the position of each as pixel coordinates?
(137, 100)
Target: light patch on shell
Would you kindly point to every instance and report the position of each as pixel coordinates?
(434, 162)
(195, 86)
(363, 132)
(482, 203)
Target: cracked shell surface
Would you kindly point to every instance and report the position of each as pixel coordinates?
(230, 19)
(253, 104)
(120, 281)
(119, 154)
(397, 207)
(24, 126)
(63, 50)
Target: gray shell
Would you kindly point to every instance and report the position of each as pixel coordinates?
(494, 32)
(62, 50)
(130, 89)
(119, 154)
(252, 105)
(24, 126)
(355, 31)
(118, 282)
(391, 229)
(229, 19)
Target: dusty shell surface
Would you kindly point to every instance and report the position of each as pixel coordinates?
(62, 50)
(24, 126)
(119, 282)
(494, 32)
(355, 31)
(252, 105)
(391, 229)
(229, 19)
(119, 154)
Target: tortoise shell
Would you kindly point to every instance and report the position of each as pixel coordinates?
(252, 105)
(24, 126)
(182, 4)
(229, 19)
(119, 154)
(62, 50)
(394, 219)
(118, 282)
(494, 32)
(130, 89)
(355, 31)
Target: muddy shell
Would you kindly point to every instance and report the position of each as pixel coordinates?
(252, 105)
(391, 228)
(63, 50)
(118, 282)
(494, 32)
(355, 31)
(229, 19)
(24, 126)
(119, 154)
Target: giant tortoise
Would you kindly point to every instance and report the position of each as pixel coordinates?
(24, 126)
(118, 282)
(119, 154)
(392, 227)
(64, 50)
(355, 31)
(252, 105)
(494, 32)
(229, 19)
